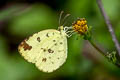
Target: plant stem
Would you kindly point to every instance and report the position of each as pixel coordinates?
(109, 25)
(103, 53)
(98, 49)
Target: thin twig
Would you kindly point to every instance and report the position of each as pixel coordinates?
(97, 48)
(103, 53)
(109, 25)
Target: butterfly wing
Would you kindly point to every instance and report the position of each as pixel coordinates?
(47, 49)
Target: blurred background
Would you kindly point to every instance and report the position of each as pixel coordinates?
(21, 18)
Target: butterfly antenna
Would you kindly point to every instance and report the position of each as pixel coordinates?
(66, 16)
(60, 17)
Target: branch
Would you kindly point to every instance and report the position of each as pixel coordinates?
(110, 57)
(107, 21)
(97, 48)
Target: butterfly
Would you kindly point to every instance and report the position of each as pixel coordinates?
(48, 49)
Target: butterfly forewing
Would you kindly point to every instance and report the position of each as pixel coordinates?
(47, 49)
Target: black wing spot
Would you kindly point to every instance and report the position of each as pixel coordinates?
(55, 44)
(50, 51)
(61, 43)
(43, 49)
(54, 40)
(38, 39)
(44, 60)
(25, 46)
(53, 33)
(52, 62)
(60, 50)
(47, 35)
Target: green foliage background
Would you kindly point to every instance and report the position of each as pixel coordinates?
(20, 20)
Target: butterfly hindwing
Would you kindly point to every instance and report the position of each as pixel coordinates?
(47, 49)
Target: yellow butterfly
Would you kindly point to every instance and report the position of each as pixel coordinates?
(47, 49)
